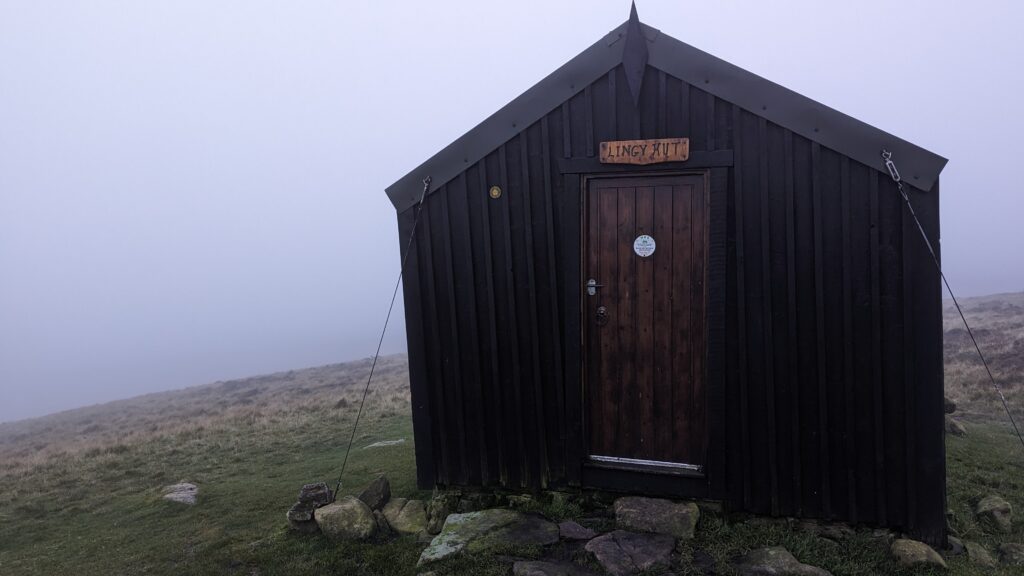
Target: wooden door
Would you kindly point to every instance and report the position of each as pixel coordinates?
(645, 244)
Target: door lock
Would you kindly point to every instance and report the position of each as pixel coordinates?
(592, 287)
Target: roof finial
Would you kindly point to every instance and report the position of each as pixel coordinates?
(634, 54)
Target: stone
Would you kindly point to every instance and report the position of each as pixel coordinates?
(476, 501)
(950, 519)
(383, 526)
(562, 499)
(311, 497)
(911, 554)
(833, 532)
(622, 553)
(657, 515)
(544, 568)
(385, 443)
(520, 501)
(304, 527)
(948, 405)
(978, 555)
(1011, 554)
(393, 508)
(300, 518)
(884, 535)
(482, 530)
(183, 493)
(994, 514)
(775, 561)
(528, 530)
(377, 494)
(300, 512)
(438, 509)
(570, 530)
(346, 519)
(956, 546)
(955, 427)
(317, 494)
(406, 516)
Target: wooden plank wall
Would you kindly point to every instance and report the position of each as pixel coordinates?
(832, 372)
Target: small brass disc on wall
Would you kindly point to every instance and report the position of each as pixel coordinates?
(495, 192)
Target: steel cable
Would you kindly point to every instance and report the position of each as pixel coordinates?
(894, 173)
(394, 295)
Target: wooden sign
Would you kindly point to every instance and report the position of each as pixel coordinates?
(645, 151)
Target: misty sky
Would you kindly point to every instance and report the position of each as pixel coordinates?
(193, 190)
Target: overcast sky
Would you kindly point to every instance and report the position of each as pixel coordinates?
(193, 190)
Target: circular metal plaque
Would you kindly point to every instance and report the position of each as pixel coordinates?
(643, 245)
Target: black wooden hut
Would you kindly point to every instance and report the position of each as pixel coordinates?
(656, 272)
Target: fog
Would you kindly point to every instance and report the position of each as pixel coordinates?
(193, 191)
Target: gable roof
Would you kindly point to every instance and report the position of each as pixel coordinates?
(782, 106)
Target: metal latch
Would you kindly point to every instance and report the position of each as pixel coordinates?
(592, 287)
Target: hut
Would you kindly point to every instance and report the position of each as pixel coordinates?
(656, 272)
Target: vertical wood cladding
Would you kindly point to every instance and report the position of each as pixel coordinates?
(826, 399)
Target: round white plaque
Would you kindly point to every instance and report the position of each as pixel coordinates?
(643, 246)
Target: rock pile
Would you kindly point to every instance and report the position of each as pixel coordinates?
(643, 537)
(374, 512)
(623, 536)
(311, 497)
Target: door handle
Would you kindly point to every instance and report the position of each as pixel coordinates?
(592, 287)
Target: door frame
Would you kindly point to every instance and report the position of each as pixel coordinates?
(629, 464)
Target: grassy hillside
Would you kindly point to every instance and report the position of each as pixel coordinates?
(80, 490)
(998, 324)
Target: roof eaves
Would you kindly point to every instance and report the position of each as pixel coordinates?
(793, 111)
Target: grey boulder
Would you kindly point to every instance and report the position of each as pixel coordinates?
(486, 529)
(377, 493)
(657, 515)
(623, 553)
(570, 530)
(994, 514)
(406, 516)
(979, 555)
(949, 406)
(438, 509)
(775, 561)
(182, 493)
(544, 568)
(346, 519)
(311, 497)
(1011, 554)
(912, 554)
(317, 494)
(955, 427)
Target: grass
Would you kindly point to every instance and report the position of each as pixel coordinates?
(998, 324)
(80, 491)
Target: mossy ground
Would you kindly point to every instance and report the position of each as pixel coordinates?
(98, 509)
